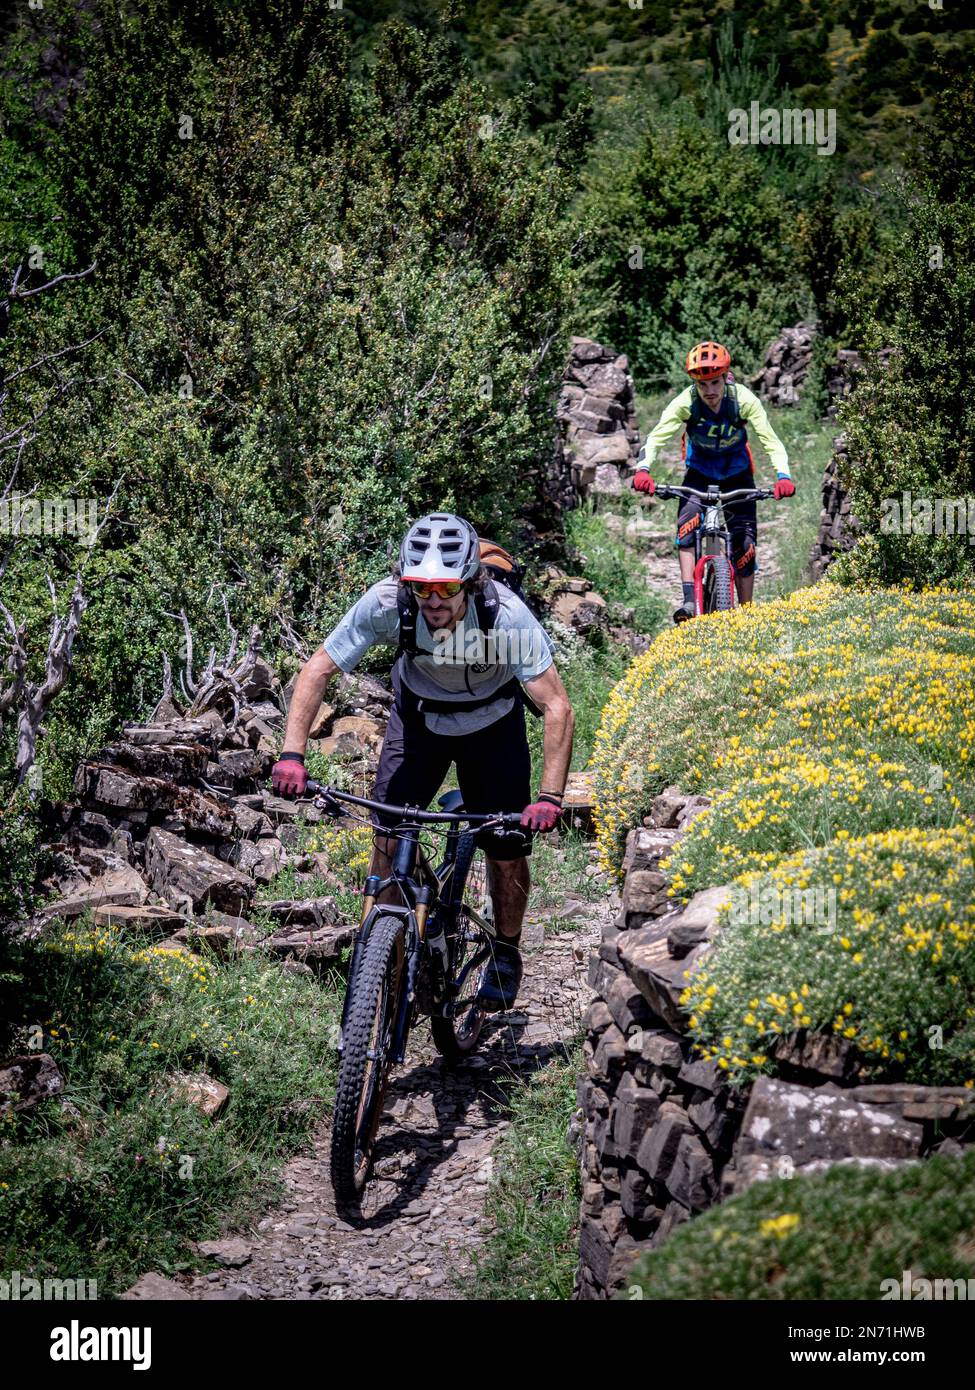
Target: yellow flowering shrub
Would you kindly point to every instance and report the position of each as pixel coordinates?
(792, 795)
(839, 685)
(348, 848)
(890, 969)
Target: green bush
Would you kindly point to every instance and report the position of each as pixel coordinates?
(115, 1175)
(690, 239)
(320, 314)
(910, 427)
(836, 1236)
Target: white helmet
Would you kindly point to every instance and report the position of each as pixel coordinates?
(440, 546)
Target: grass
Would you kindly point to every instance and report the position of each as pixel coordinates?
(836, 1236)
(609, 562)
(115, 1181)
(533, 1199)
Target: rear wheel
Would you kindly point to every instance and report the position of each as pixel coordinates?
(718, 582)
(364, 1069)
(456, 1035)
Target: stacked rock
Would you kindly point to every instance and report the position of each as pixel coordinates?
(787, 360)
(838, 527)
(596, 409)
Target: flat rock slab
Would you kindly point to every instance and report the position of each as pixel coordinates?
(231, 1252)
(27, 1080)
(646, 958)
(188, 876)
(207, 1094)
(283, 811)
(307, 912)
(790, 1129)
(147, 917)
(155, 1288)
(312, 946)
(119, 887)
(225, 939)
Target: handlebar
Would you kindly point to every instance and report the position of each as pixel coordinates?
(714, 494)
(328, 797)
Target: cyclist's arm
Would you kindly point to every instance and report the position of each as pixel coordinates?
(306, 699)
(753, 413)
(676, 412)
(549, 694)
(369, 622)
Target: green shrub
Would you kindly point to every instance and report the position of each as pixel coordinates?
(319, 315)
(836, 1236)
(910, 427)
(690, 240)
(115, 1180)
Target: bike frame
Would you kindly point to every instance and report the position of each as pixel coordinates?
(712, 536)
(419, 884)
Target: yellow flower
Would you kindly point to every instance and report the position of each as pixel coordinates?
(780, 1225)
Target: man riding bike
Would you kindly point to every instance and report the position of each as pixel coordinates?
(459, 698)
(714, 411)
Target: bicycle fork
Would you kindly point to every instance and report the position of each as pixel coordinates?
(371, 913)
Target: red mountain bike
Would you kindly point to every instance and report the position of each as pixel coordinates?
(714, 569)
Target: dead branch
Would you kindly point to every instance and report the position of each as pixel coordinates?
(31, 699)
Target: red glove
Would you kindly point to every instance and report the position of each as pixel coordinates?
(643, 482)
(289, 776)
(785, 487)
(540, 815)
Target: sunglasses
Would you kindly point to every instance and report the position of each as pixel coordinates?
(443, 588)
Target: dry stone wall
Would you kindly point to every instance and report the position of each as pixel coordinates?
(838, 527)
(660, 1137)
(599, 438)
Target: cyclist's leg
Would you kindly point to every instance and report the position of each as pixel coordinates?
(412, 765)
(494, 774)
(742, 521)
(688, 520)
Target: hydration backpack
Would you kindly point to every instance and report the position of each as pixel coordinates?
(697, 415)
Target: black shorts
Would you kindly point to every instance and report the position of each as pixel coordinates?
(493, 770)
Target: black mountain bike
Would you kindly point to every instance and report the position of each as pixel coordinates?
(425, 955)
(714, 568)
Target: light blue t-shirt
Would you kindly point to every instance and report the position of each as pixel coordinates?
(464, 663)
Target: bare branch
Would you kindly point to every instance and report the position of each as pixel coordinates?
(58, 279)
(31, 699)
(50, 356)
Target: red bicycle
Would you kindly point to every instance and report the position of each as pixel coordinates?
(714, 569)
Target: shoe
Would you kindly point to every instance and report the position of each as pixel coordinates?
(684, 612)
(502, 976)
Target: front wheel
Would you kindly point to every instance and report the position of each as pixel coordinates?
(457, 1031)
(364, 1068)
(718, 585)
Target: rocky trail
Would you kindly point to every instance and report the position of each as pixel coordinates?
(424, 1212)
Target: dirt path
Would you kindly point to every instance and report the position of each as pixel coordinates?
(425, 1208)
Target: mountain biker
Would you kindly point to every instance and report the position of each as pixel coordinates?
(714, 411)
(457, 699)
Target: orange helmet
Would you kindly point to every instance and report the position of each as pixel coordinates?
(707, 360)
